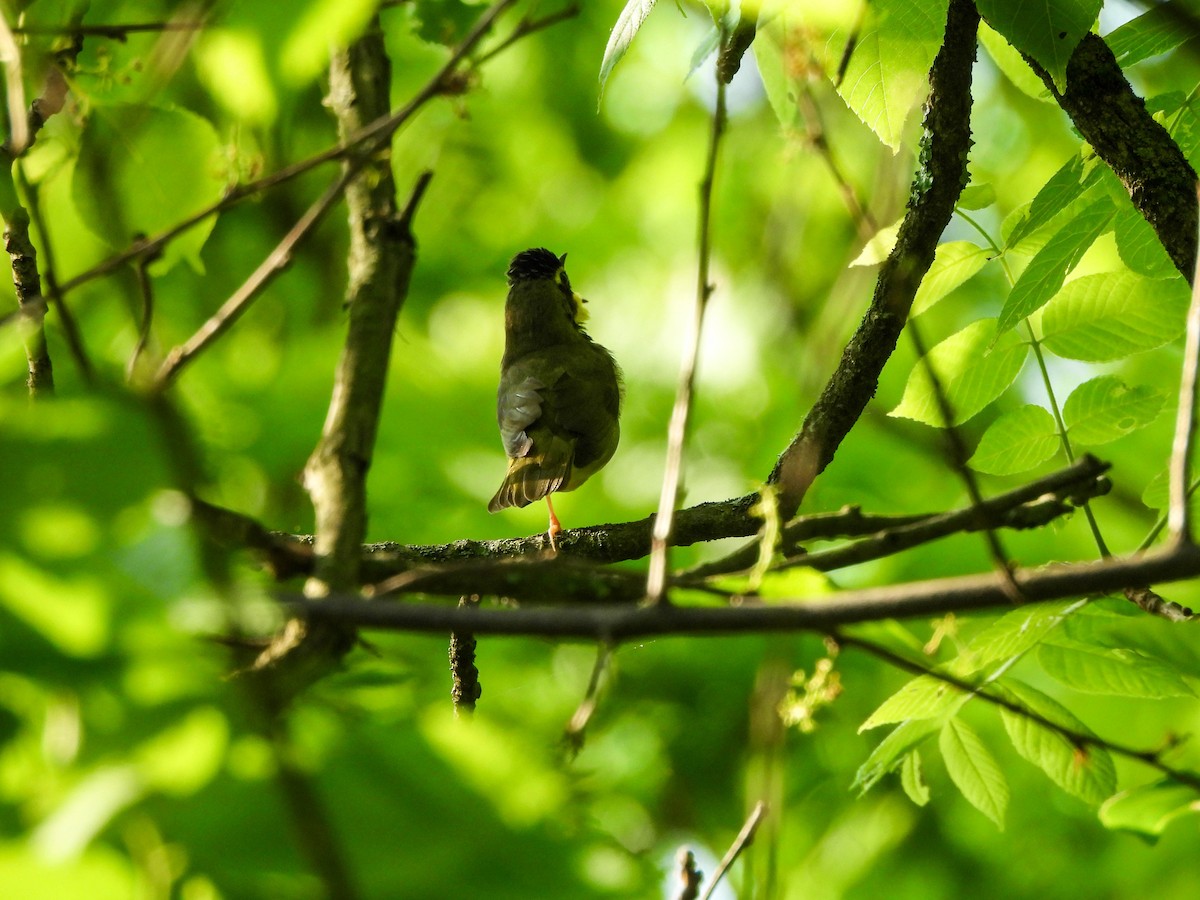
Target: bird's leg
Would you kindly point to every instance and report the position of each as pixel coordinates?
(555, 526)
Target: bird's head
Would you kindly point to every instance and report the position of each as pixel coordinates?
(539, 264)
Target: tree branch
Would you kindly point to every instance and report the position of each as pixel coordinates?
(622, 622)
(1179, 514)
(940, 177)
(1114, 120)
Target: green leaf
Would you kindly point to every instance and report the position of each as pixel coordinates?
(1160, 29)
(1149, 809)
(1016, 442)
(971, 375)
(1047, 271)
(142, 169)
(1157, 494)
(912, 779)
(973, 770)
(1011, 635)
(623, 33)
(1139, 246)
(879, 246)
(887, 71)
(1087, 773)
(1048, 31)
(924, 697)
(889, 752)
(954, 264)
(1105, 408)
(976, 196)
(1070, 183)
(1014, 67)
(1111, 671)
(1114, 314)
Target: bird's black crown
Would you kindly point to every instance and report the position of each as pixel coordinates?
(536, 263)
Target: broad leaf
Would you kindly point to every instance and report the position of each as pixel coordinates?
(1139, 246)
(1149, 809)
(913, 780)
(141, 170)
(1014, 67)
(1114, 314)
(878, 246)
(1047, 271)
(976, 196)
(889, 753)
(925, 697)
(973, 770)
(1087, 772)
(970, 374)
(1011, 635)
(1048, 31)
(1110, 671)
(1160, 29)
(954, 264)
(889, 66)
(1016, 442)
(1070, 183)
(623, 33)
(1105, 408)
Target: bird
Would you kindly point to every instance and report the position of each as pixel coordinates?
(559, 401)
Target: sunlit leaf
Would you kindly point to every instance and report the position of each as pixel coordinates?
(1139, 246)
(1049, 31)
(976, 196)
(1160, 29)
(913, 780)
(1048, 269)
(1070, 183)
(1011, 635)
(889, 67)
(879, 246)
(970, 374)
(1111, 671)
(954, 264)
(1105, 408)
(1149, 809)
(973, 770)
(925, 697)
(890, 752)
(1087, 772)
(1014, 67)
(624, 31)
(1111, 315)
(1017, 441)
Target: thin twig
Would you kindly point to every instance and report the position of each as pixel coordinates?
(744, 839)
(656, 581)
(527, 27)
(1179, 515)
(573, 734)
(114, 32)
(958, 459)
(1077, 739)
(241, 299)
(70, 327)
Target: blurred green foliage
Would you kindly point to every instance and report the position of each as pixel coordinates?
(131, 766)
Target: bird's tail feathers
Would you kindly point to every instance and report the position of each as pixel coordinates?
(531, 478)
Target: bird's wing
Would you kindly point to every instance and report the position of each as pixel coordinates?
(518, 406)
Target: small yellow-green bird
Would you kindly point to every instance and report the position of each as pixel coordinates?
(560, 392)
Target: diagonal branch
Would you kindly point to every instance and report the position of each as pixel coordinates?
(1139, 150)
(936, 187)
